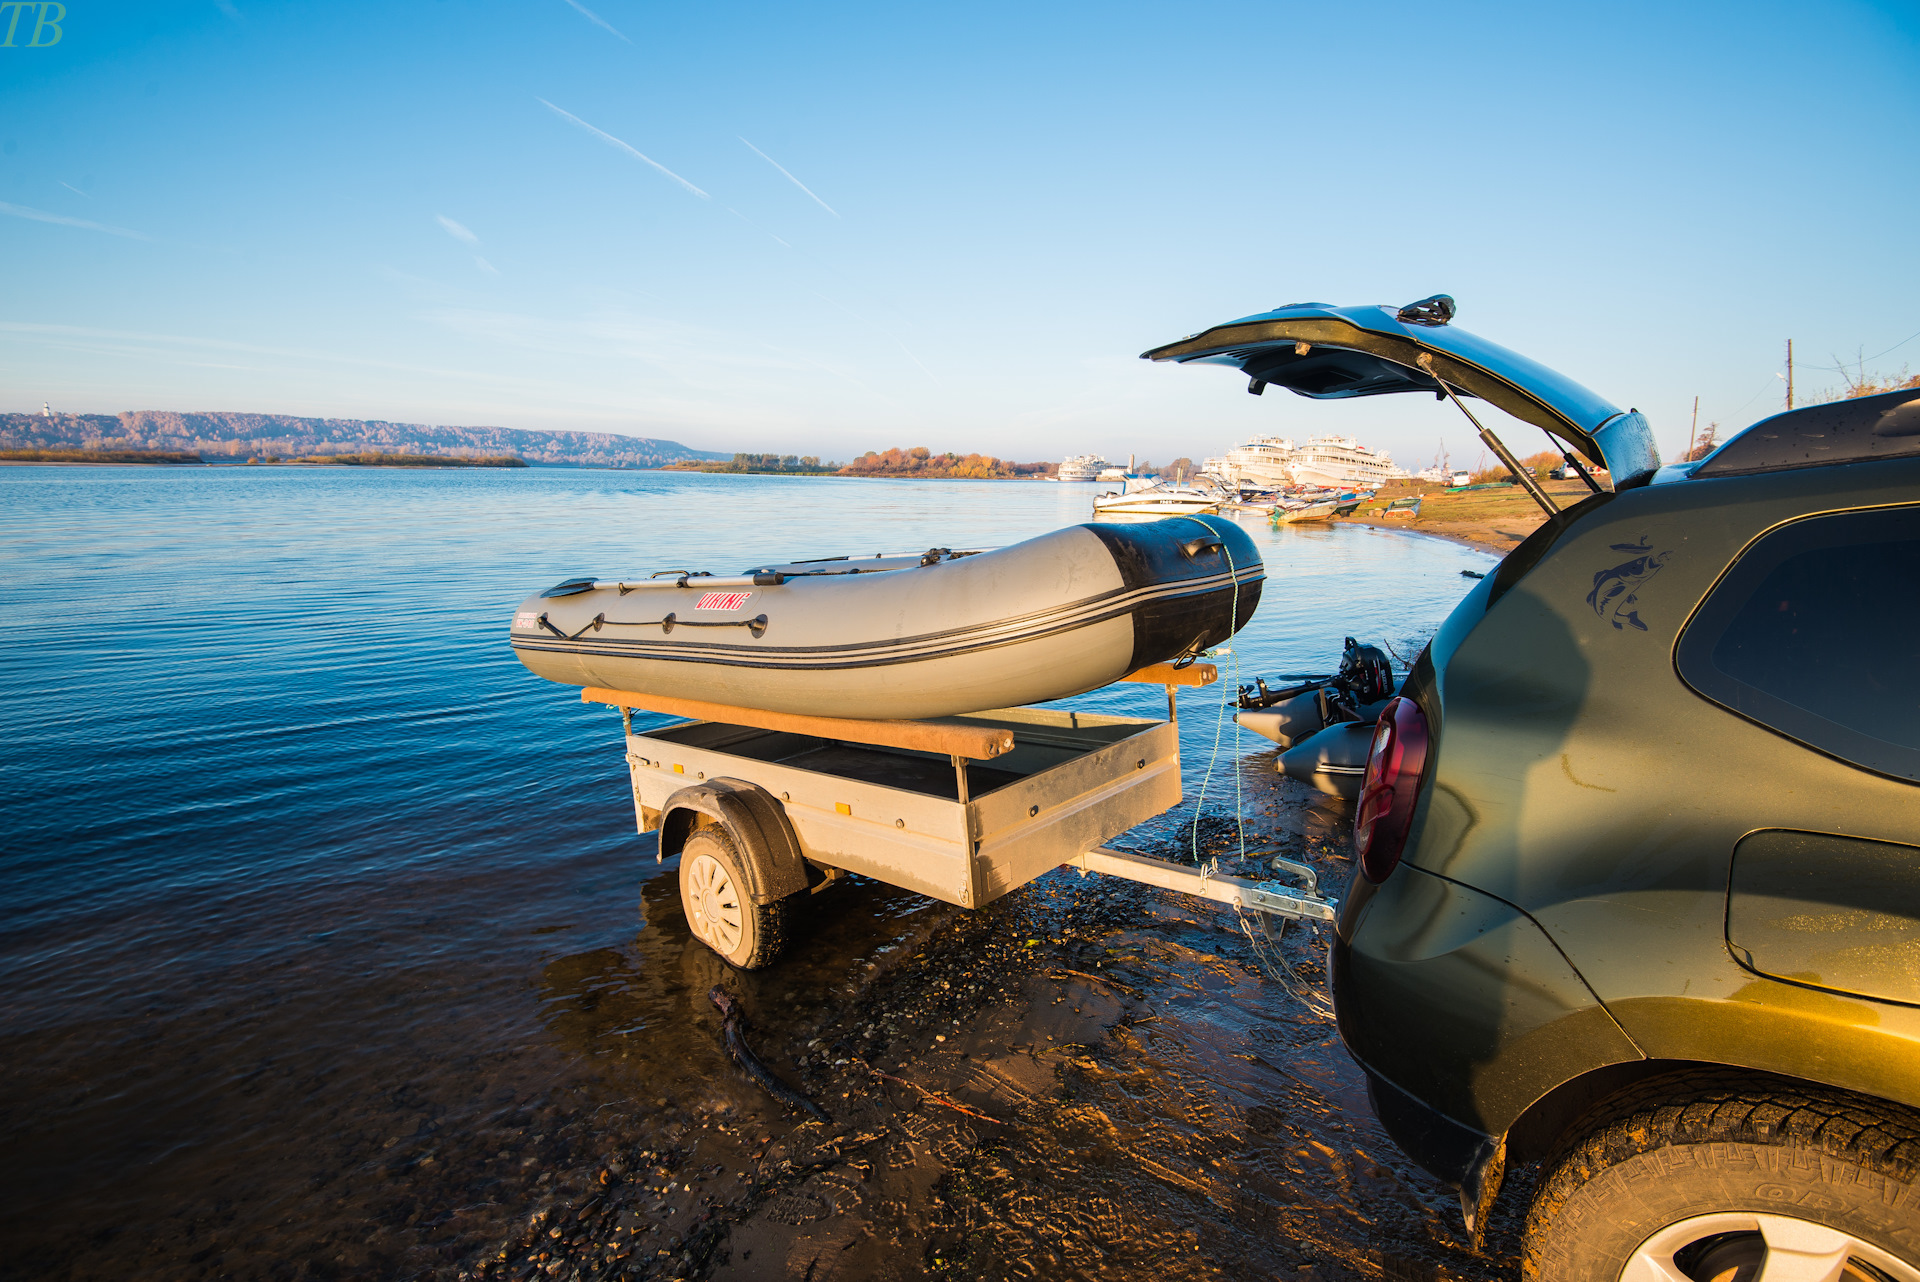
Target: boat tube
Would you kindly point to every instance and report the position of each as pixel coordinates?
(1334, 760)
(906, 636)
(1357, 692)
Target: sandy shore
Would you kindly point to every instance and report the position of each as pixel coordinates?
(1479, 540)
(1490, 520)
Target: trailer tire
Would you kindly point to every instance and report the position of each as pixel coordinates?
(720, 911)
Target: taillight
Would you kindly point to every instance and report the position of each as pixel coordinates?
(1392, 785)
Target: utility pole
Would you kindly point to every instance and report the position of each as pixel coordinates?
(1789, 373)
(1693, 430)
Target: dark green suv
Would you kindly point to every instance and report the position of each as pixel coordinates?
(1638, 888)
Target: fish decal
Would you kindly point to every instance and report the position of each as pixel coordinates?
(1615, 591)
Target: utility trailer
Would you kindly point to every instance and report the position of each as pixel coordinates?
(764, 807)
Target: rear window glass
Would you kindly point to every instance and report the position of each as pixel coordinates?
(1815, 633)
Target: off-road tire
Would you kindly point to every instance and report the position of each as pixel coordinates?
(720, 912)
(1716, 1141)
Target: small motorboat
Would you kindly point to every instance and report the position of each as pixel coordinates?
(1288, 513)
(906, 635)
(1148, 498)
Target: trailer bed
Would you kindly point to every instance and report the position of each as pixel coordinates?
(762, 805)
(959, 830)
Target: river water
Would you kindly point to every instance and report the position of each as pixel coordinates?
(328, 946)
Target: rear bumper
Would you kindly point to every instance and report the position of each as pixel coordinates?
(1462, 1012)
(1440, 1146)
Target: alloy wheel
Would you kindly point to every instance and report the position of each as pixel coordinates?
(1741, 1246)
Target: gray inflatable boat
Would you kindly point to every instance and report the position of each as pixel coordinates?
(906, 636)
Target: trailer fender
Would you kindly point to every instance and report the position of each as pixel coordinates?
(757, 824)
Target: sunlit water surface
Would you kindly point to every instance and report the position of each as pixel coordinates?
(300, 862)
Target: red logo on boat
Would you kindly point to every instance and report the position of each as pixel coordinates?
(722, 601)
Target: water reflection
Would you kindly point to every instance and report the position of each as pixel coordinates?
(642, 1010)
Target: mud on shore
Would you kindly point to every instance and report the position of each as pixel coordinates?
(1088, 1079)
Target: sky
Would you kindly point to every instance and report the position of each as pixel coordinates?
(831, 228)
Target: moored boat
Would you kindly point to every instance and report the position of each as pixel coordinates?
(1287, 514)
(1324, 726)
(1143, 497)
(906, 636)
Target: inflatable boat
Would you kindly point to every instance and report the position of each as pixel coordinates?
(1326, 725)
(906, 636)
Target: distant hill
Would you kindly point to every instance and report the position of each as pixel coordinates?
(282, 435)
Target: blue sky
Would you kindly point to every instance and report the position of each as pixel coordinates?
(831, 228)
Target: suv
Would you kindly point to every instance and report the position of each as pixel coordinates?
(1638, 883)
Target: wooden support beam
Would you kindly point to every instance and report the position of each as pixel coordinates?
(949, 737)
(1165, 674)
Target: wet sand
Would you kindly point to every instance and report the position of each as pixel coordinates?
(1480, 540)
(1088, 1079)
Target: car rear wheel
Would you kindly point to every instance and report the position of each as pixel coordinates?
(1691, 1181)
(720, 910)
(1746, 1247)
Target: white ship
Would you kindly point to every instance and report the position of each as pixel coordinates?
(1263, 463)
(1080, 467)
(1333, 462)
(1340, 462)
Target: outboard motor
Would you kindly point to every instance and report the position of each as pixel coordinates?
(1326, 726)
(1365, 672)
(1335, 759)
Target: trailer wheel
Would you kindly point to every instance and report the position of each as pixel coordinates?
(720, 912)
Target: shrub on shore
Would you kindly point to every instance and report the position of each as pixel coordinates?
(410, 460)
(919, 461)
(99, 456)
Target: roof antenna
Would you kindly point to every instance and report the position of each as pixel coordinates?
(1493, 442)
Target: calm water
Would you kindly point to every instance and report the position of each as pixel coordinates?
(306, 876)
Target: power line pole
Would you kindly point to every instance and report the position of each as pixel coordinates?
(1691, 431)
(1789, 373)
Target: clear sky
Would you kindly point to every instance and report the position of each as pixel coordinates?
(832, 227)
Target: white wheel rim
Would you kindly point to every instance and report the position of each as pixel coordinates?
(713, 905)
(1797, 1250)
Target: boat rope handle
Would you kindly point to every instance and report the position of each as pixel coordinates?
(595, 623)
(756, 625)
